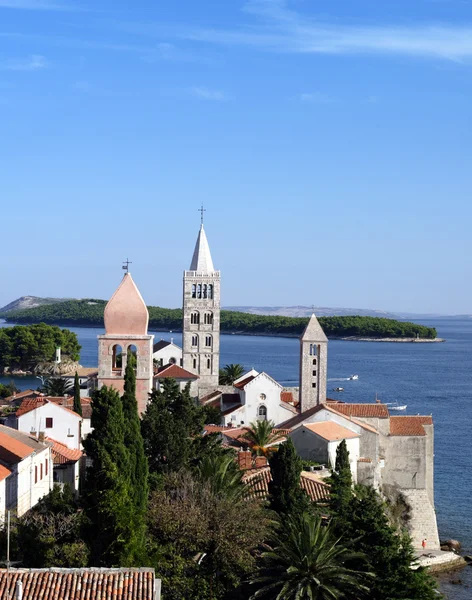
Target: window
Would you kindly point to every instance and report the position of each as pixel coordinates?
(205, 290)
(208, 319)
(36, 474)
(210, 291)
(194, 363)
(208, 363)
(49, 422)
(314, 373)
(194, 291)
(313, 384)
(117, 359)
(262, 413)
(208, 341)
(46, 466)
(314, 361)
(199, 290)
(194, 340)
(195, 318)
(41, 471)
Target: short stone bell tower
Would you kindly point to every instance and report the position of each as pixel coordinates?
(201, 317)
(126, 337)
(313, 365)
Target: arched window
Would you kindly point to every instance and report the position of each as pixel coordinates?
(195, 318)
(132, 356)
(210, 291)
(208, 363)
(199, 290)
(208, 318)
(195, 340)
(117, 359)
(208, 341)
(194, 363)
(262, 413)
(194, 290)
(205, 290)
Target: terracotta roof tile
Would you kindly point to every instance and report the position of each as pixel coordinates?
(82, 372)
(13, 451)
(4, 472)
(80, 584)
(366, 411)
(286, 397)
(175, 372)
(210, 397)
(33, 403)
(68, 402)
(242, 384)
(331, 431)
(62, 454)
(364, 460)
(409, 425)
(22, 395)
(258, 480)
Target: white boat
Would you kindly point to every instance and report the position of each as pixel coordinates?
(338, 389)
(396, 406)
(353, 377)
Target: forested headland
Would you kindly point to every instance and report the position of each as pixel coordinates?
(90, 313)
(23, 347)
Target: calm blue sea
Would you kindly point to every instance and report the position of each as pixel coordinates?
(430, 378)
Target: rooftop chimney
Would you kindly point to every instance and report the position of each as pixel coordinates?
(19, 590)
(41, 436)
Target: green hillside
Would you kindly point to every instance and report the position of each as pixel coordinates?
(89, 312)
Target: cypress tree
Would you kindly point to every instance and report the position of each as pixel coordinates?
(134, 443)
(110, 506)
(341, 483)
(77, 403)
(285, 494)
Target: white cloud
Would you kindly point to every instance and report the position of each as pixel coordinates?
(35, 62)
(207, 94)
(279, 29)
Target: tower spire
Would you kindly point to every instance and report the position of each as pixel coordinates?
(201, 260)
(202, 211)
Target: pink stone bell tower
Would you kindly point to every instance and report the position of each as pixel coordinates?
(126, 330)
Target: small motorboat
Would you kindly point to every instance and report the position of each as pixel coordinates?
(353, 377)
(396, 406)
(338, 389)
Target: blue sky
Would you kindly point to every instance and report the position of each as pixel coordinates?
(330, 142)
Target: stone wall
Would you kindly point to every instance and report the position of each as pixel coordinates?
(422, 523)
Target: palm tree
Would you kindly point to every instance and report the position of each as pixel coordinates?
(308, 563)
(221, 472)
(56, 386)
(262, 437)
(229, 373)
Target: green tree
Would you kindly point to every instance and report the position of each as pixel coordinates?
(56, 386)
(77, 402)
(390, 554)
(229, 373)
(285, 494)
(110, 507)
(135, 445)
(168, 426)
(307, 562)
(341, 483)
(261, 437)
(8, 389)
(223, 475)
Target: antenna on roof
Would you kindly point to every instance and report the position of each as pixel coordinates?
(126, 265)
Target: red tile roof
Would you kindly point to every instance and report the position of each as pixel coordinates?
(68, 402)
(175, 372)
(21, 395)
(212, 396)
(331, 431)
(366, 411)
(62, 454)
(13, 451)
(364, 460)
(286, 397)
(80, 584)
(409, 425)
(33, 403)
(4, 472)
(243, 383)
(258, 480)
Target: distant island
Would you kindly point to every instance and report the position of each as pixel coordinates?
(89, 313)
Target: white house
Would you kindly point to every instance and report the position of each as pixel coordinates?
(37, 415)
(66, 464)
(4, 473)
(165, 353)
(30, 465)
(255, 396)
(87, 379)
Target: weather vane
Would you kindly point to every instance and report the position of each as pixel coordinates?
(126, 265)
(202, 211)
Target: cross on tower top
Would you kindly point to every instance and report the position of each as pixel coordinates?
(202, 211)
(126, 265)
